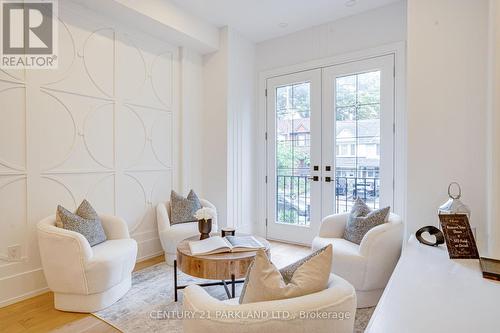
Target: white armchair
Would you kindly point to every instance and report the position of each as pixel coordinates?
(338, 302)
(171, 235)
(85, 278)
(369, 265)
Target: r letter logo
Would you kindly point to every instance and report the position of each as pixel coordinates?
(29, 34)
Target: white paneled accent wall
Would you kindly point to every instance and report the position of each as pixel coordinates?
(102, 127)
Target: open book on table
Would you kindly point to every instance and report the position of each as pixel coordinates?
(217, 244)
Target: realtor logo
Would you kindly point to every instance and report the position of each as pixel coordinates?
(29, 34)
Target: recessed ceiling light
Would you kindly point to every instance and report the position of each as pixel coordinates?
(350, 3)
(283, 25)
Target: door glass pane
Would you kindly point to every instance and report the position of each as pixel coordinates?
(357, 135)
(293, 146)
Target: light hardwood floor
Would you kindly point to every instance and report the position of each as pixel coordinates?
(38, 315)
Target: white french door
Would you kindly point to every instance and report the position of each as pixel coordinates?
(293, 157)
(330, 140)
(358, 134)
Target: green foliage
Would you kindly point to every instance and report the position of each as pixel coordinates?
(288, 216)
(293, 98)
(288, 156)
(358, 97)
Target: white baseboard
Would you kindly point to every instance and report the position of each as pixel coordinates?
(149, 256)
(148, 248)
(40, 291)
(20, 286)
(24, 296)
(287, 242)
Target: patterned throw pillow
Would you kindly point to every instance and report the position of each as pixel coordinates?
(362, 219)
(264, 282)
(182, 209)
(85, 221)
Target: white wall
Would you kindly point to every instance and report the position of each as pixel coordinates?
(241, 133)
(228, 175)
(447, 110)
(192, 124)
(103, 126)
(363, 31)
(215, 121)
(162, 19)
(183, 23)
(493, 120)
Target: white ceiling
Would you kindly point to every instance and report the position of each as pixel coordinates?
(259, 20)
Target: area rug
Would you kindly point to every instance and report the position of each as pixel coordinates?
(149, 305)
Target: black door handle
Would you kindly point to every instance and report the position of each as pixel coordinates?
(314, 178)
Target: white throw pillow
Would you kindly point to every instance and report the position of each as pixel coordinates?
(264, 282)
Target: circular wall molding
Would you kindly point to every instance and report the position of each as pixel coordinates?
(13, 129)
(161, 138)
(131, 200)
(98, 135)
(131, 136)
(162, 78)
(58, 132)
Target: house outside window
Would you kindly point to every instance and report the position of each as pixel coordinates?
(302, 139)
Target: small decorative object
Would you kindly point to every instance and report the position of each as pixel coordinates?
(433, 231)
(490, 268)
(227, 231)
(458, 235)
(454, 205)
(204, 217)
(205, 227)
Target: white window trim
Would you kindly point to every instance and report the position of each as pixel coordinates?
(398, 49)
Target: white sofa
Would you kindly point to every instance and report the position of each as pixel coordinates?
(369, 265)
(287, 315)
(85, 278)
(171, 235)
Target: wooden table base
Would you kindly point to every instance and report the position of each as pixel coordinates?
(208, 284)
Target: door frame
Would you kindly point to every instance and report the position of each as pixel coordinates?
(398, 50)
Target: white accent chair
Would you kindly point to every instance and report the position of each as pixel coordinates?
(85, 278)
(222, 316)
(369, 265)
(171, 235)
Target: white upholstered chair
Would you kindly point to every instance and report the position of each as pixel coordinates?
(369, 265)
(339, 299)
(85, 278)
(171, 235)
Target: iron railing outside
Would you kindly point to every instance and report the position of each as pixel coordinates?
(293, 201)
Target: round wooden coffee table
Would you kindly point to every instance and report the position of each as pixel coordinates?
(221, 266)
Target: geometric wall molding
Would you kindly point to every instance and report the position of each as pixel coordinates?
(13, 207)
(12, 128)
(100, 127)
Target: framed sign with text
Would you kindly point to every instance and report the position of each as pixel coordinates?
(458, 236)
